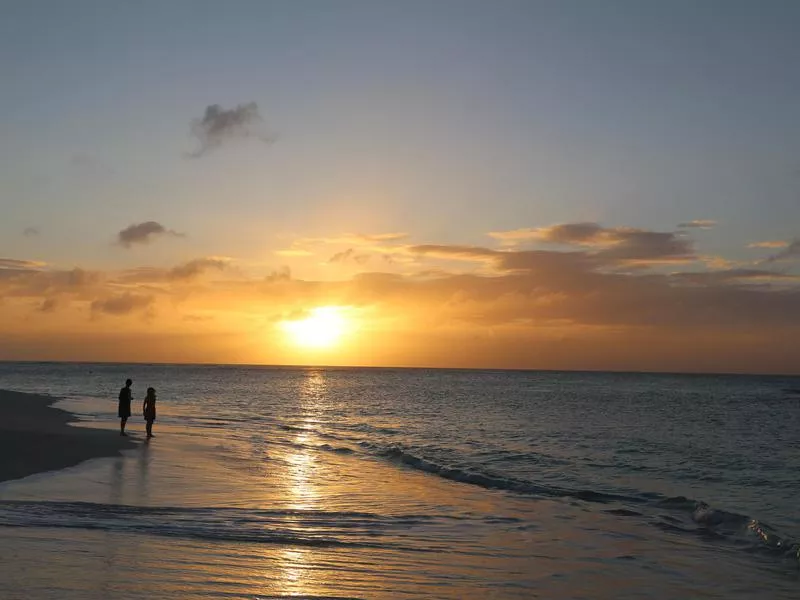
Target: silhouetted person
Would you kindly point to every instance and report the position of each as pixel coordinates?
(124, 410)
(149, 410)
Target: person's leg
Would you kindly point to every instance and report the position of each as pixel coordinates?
(149, 428)
(122, 423)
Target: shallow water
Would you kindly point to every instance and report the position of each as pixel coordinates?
(379, 483)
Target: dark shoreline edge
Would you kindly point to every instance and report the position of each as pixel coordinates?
(36, 437)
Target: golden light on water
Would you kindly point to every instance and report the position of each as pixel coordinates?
(323, 328)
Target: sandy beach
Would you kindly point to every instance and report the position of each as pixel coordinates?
(36, 437)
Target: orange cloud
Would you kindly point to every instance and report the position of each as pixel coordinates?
(769, 244)
(579, 307)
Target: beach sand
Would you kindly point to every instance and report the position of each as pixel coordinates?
(37, 437)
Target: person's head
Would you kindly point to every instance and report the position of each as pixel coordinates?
(151, 392)
(128, 383)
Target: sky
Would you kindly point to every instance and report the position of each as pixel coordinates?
(564, 184)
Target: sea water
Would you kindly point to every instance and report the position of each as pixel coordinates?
(393, 483)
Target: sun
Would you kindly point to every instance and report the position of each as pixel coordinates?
(323, 328)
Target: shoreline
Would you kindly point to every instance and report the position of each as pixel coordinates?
(36, 437)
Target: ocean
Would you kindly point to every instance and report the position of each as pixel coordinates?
(266, 482)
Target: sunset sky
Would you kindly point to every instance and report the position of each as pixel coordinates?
(571, 184)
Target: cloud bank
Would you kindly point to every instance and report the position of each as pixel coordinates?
(588, 296)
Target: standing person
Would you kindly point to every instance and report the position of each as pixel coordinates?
(124, 410)
(149, 410)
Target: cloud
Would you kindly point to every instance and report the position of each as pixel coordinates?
(791, 252)
(735, 277)
(380, 243)
(14, 264)
(613, 244)
(581, 298)
(30, 232)
(48, 305)
(347, 255)
(566, 233)
(196, 267)
(143, 233)
(454, 252)
(769, 244)
(697, 224)
(218, 126)
(122, 304)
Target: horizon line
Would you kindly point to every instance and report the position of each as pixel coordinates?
(398, 367)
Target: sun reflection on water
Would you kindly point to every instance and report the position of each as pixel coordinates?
(301, 464)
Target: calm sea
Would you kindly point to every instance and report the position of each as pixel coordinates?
(392, 483)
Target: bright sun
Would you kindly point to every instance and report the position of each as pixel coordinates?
(321, 329)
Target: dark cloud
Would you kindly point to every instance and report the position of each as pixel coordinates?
(219, 126)
(143, 233)
(611, 244)
(698, 224)
(791, 252)
(196, 267)
(639, 245)
(571, 233)
(621, 243)
(122, 304)
(30, 232)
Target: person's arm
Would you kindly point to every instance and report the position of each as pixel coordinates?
(144, 405)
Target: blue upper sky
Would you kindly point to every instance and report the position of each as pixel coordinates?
(445, 119)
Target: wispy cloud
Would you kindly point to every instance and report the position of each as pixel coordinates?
(380, 243)
(219, 126)
(454, 252)
(769, 244)
(144, 233)
(21, 265)
(349, 255)
(698, 224)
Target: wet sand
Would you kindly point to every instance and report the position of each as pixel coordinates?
(37, 437)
